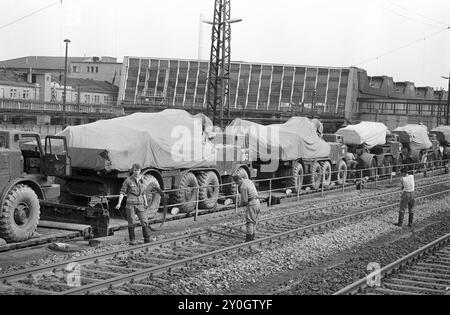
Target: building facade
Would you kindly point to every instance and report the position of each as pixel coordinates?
(331, 93)
(253, 86)
(14, 86)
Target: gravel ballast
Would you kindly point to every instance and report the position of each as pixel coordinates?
(233, 276)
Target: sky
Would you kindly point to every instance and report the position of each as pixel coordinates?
(405, 39)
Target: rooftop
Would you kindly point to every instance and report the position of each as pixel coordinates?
(87, 85)
(14, 79)
(49, 62)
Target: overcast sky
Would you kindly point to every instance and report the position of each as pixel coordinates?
(300, 32)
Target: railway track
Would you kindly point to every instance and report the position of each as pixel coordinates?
(433, 176)
(425, 271)
(151, 267)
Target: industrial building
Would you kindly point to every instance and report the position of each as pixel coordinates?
(267, 92)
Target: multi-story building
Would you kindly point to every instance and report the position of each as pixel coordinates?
(264, 91)
(15, 86)
(93, 68)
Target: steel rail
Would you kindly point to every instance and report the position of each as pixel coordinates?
(359, 286)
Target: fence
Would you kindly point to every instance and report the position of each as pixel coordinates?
(44, 107)
(43, 130)
(358, 178)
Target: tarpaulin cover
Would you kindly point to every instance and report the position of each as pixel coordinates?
(366, 133)
(171, 139)
(445, 132)
(415, 135)
(295, 139)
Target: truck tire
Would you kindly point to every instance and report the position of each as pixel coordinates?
(371, 169)
(341, 174)
(296, 181)
(234, 189)
(186, 194)
(386, 166)
(19, 214)
(151, 184)
(430, 161)
(316, 176)
(209, 189)
(326, 174)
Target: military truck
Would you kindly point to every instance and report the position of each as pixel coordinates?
(419, 146)
(26, 168)
(377, 151)
(302, 159)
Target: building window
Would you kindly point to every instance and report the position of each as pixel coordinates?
(96, 69)
(26, 94)
(92, 69)
(96, 99)
(87, 98)
(106, 99)
(13, 93)
(88, 69)
(76, 69)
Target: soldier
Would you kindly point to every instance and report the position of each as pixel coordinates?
(407, 198)
(249, 197)
(136, 203)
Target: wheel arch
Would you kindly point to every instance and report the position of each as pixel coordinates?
(34, 185)
(157, 174)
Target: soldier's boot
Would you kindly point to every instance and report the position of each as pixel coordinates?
(410, 219)
(248, 237)
(146, 233)
(400, 219)
(132, 236)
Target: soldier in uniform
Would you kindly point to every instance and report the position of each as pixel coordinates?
(407, 198)
(133, 189)
(249, 197)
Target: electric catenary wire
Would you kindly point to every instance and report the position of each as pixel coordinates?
(30, 14)
(402, 47)
(419, 14)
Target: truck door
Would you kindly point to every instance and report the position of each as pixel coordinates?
(56, 157)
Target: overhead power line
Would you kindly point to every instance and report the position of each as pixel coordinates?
(413, 19)
(30, 14)
(402, 47)
(419, 14)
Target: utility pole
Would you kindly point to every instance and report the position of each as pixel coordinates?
(447, 110)
(220, 63)
(67, 41)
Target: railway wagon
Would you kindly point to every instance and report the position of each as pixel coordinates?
(103, 152)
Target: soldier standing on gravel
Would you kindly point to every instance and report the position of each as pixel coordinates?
(249, 197)
(407, 198)
(136, 203)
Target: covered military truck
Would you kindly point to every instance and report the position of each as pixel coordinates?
(293, 149)
(377, 151)
(443, 137)
(418, 145)
(177, 151)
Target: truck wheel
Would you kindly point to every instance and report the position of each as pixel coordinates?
(19, 214)
(326, 173)
(151, 184)
(371, 169)
(386, 166)
(186, 194)
(430, 161)
(341, 175)
(316, 175)
(296, 181)
(234, 189)
(209, 191)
